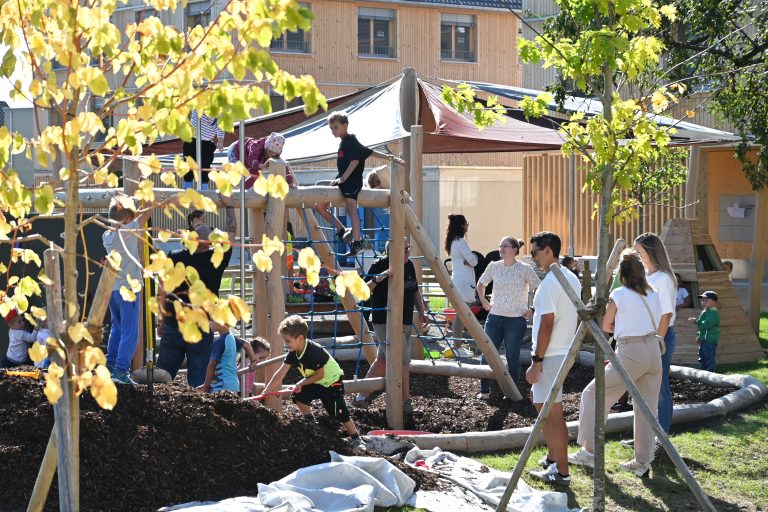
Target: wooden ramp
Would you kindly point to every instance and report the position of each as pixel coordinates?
(688, 245)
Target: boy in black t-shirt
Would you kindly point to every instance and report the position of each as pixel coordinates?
(350, 163)
(321, 376)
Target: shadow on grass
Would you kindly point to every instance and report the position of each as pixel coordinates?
(668, 486)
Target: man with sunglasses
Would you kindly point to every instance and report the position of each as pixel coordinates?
(554, 324)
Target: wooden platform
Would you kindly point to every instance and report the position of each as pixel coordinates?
(738, 342)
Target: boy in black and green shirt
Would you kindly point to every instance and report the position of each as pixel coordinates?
(321, 375)
(708, 333)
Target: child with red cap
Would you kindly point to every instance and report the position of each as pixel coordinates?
(21, 336)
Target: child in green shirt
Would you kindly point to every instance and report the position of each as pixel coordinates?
(321, 376)
(708, 333)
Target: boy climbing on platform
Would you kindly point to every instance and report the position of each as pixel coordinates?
(321, 376)
(221, 374)
(350, 163)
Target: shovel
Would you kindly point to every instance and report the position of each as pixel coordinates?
(270, 394)
(149, 374)
(34, 374)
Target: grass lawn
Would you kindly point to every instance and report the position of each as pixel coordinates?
(728, 457)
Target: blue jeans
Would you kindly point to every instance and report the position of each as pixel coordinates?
(707, 354)
(173, 348)
(665, 393)
(511, 331)
(124, 335)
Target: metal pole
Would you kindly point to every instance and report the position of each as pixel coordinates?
(198, 151)
(241, 146)
(572, 203)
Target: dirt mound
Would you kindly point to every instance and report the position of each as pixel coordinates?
(182, 446)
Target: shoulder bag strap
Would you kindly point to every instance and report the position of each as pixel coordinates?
(650, 314)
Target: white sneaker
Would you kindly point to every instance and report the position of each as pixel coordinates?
(641, 470)
(463, 353)
(544, 462)
(582, 458)
(551, 476)
(628, 443)
(483, 396)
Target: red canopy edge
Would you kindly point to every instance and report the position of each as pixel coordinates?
(448, 131)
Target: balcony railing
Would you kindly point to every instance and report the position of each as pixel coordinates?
(376, 51)
(457, 55)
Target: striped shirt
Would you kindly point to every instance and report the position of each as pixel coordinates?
(209, 129)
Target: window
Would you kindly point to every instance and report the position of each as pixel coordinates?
(198, 13)
(279, 103)
(293, 42)
(96, 104)
(376, 32)
(458, 37)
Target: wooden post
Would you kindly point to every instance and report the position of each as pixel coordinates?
(353, 315)
(396, 289)
(44, 476)
(691, 183)
(259, 323)
(66, 410)
(484, 343)
(598, 502)
(275, 303)
(131, 178)
(757, 258)
(417, 194)
(408, 115)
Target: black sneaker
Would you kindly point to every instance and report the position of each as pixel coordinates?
(354, 248)
(340, 234)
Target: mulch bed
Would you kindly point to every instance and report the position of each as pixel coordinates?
(182, 446)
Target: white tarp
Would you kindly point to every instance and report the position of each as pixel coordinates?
(358, 484)
(488, 484)
(374, 119)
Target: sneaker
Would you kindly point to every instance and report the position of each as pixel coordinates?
(354, 248)
(483, 396)
(363, 403)
(544, 462)
(358, 443)
(340, 234)
(347, 236)
(621, 407)
(463, 353)
(628, 443)
(641, 470)
(582, 458)
(408, 406)
(551, 476)
(122, 378)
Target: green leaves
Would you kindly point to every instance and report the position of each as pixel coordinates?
(463, 100)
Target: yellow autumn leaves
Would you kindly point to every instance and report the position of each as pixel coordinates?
(94, 375)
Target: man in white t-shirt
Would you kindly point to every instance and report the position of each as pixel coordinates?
(554, 324)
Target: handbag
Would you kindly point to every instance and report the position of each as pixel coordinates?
(662, 345)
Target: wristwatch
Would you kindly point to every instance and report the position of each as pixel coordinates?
(536, 359)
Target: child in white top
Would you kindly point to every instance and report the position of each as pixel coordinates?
(20, 337)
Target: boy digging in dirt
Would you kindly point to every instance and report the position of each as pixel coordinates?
(321, 376)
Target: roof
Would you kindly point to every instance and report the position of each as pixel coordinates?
(517, 5)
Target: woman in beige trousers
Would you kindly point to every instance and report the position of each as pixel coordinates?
(633, 315)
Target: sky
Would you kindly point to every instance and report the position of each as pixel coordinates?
(7, 84)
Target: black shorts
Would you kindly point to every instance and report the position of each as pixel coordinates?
(207, 150)
(350, 190)
(332, 398)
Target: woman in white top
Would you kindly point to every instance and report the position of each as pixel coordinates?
(508, 308)
(661, 276)
(463, 276)
(633, 314)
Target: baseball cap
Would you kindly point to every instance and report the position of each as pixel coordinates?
(708, 295)
(11, 315)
